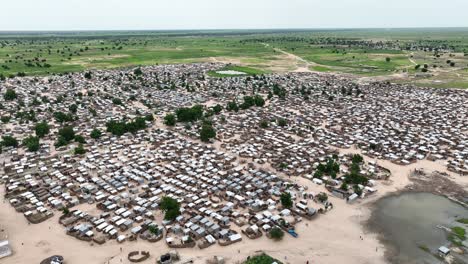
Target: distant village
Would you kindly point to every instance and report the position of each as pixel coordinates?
(168, 153)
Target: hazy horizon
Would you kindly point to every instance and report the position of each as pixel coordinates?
(147, 15)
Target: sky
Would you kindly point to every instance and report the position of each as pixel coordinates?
(233, 14)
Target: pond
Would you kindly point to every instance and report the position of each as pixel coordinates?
(409, 221)
(231, 72)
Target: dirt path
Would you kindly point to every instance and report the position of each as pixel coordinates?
(302, 64)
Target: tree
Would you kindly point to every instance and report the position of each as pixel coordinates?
(286, 200)
(138, 71)
(276, 233)
(232, 106)
(80, 139)
(79, 150)
(10, 95)
(388, 59)
(31, 143)
(264, 124)
(207, 132)
(62, 117)
(170, 120)
(170, 207)
(9, 141)
(87, 75)
(96, 133)
(117, 101)
(322, 197)
(67, 133)
(357, 158)
(344, 186)
(282, 122)
(65, 211)
(5, 119)
(259, 101)
(73, 108)
(153, 229)
(217, 109)
(191, 114)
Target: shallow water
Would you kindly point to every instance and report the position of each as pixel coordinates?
(409, 220)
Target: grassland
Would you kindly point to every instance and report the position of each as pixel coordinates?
(372, 53)
(243, 71)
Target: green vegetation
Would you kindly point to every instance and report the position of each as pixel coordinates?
(66, 134)
(41, 129)
(262, 259)
(243, 71)
(276, 233)
(321, 68)
(9, 141)
(457, 235)
(31, 143)
(10, 95)
(122, 127)
(170, 207)
(286, 200)
(463, 221)
(191, 114)
(95, 134)
(80, 150)
(170, 120)
(369, 52)
(62, 117)
(322, 197)
(207, 132)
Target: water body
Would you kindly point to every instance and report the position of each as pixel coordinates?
(231, 72)
(409, 220)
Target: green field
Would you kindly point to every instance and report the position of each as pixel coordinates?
(244, 71)
(360, 52)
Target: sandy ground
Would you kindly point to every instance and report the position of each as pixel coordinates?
(331, 238)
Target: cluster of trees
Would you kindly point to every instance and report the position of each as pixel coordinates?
(62, 117)
(354, 176)
(170, 207)
(250, 101)
(330, 168)
(122, 127)
(278, 91)
(66, 134)
(191, 114)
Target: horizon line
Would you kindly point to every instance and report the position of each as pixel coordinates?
(225, 29)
